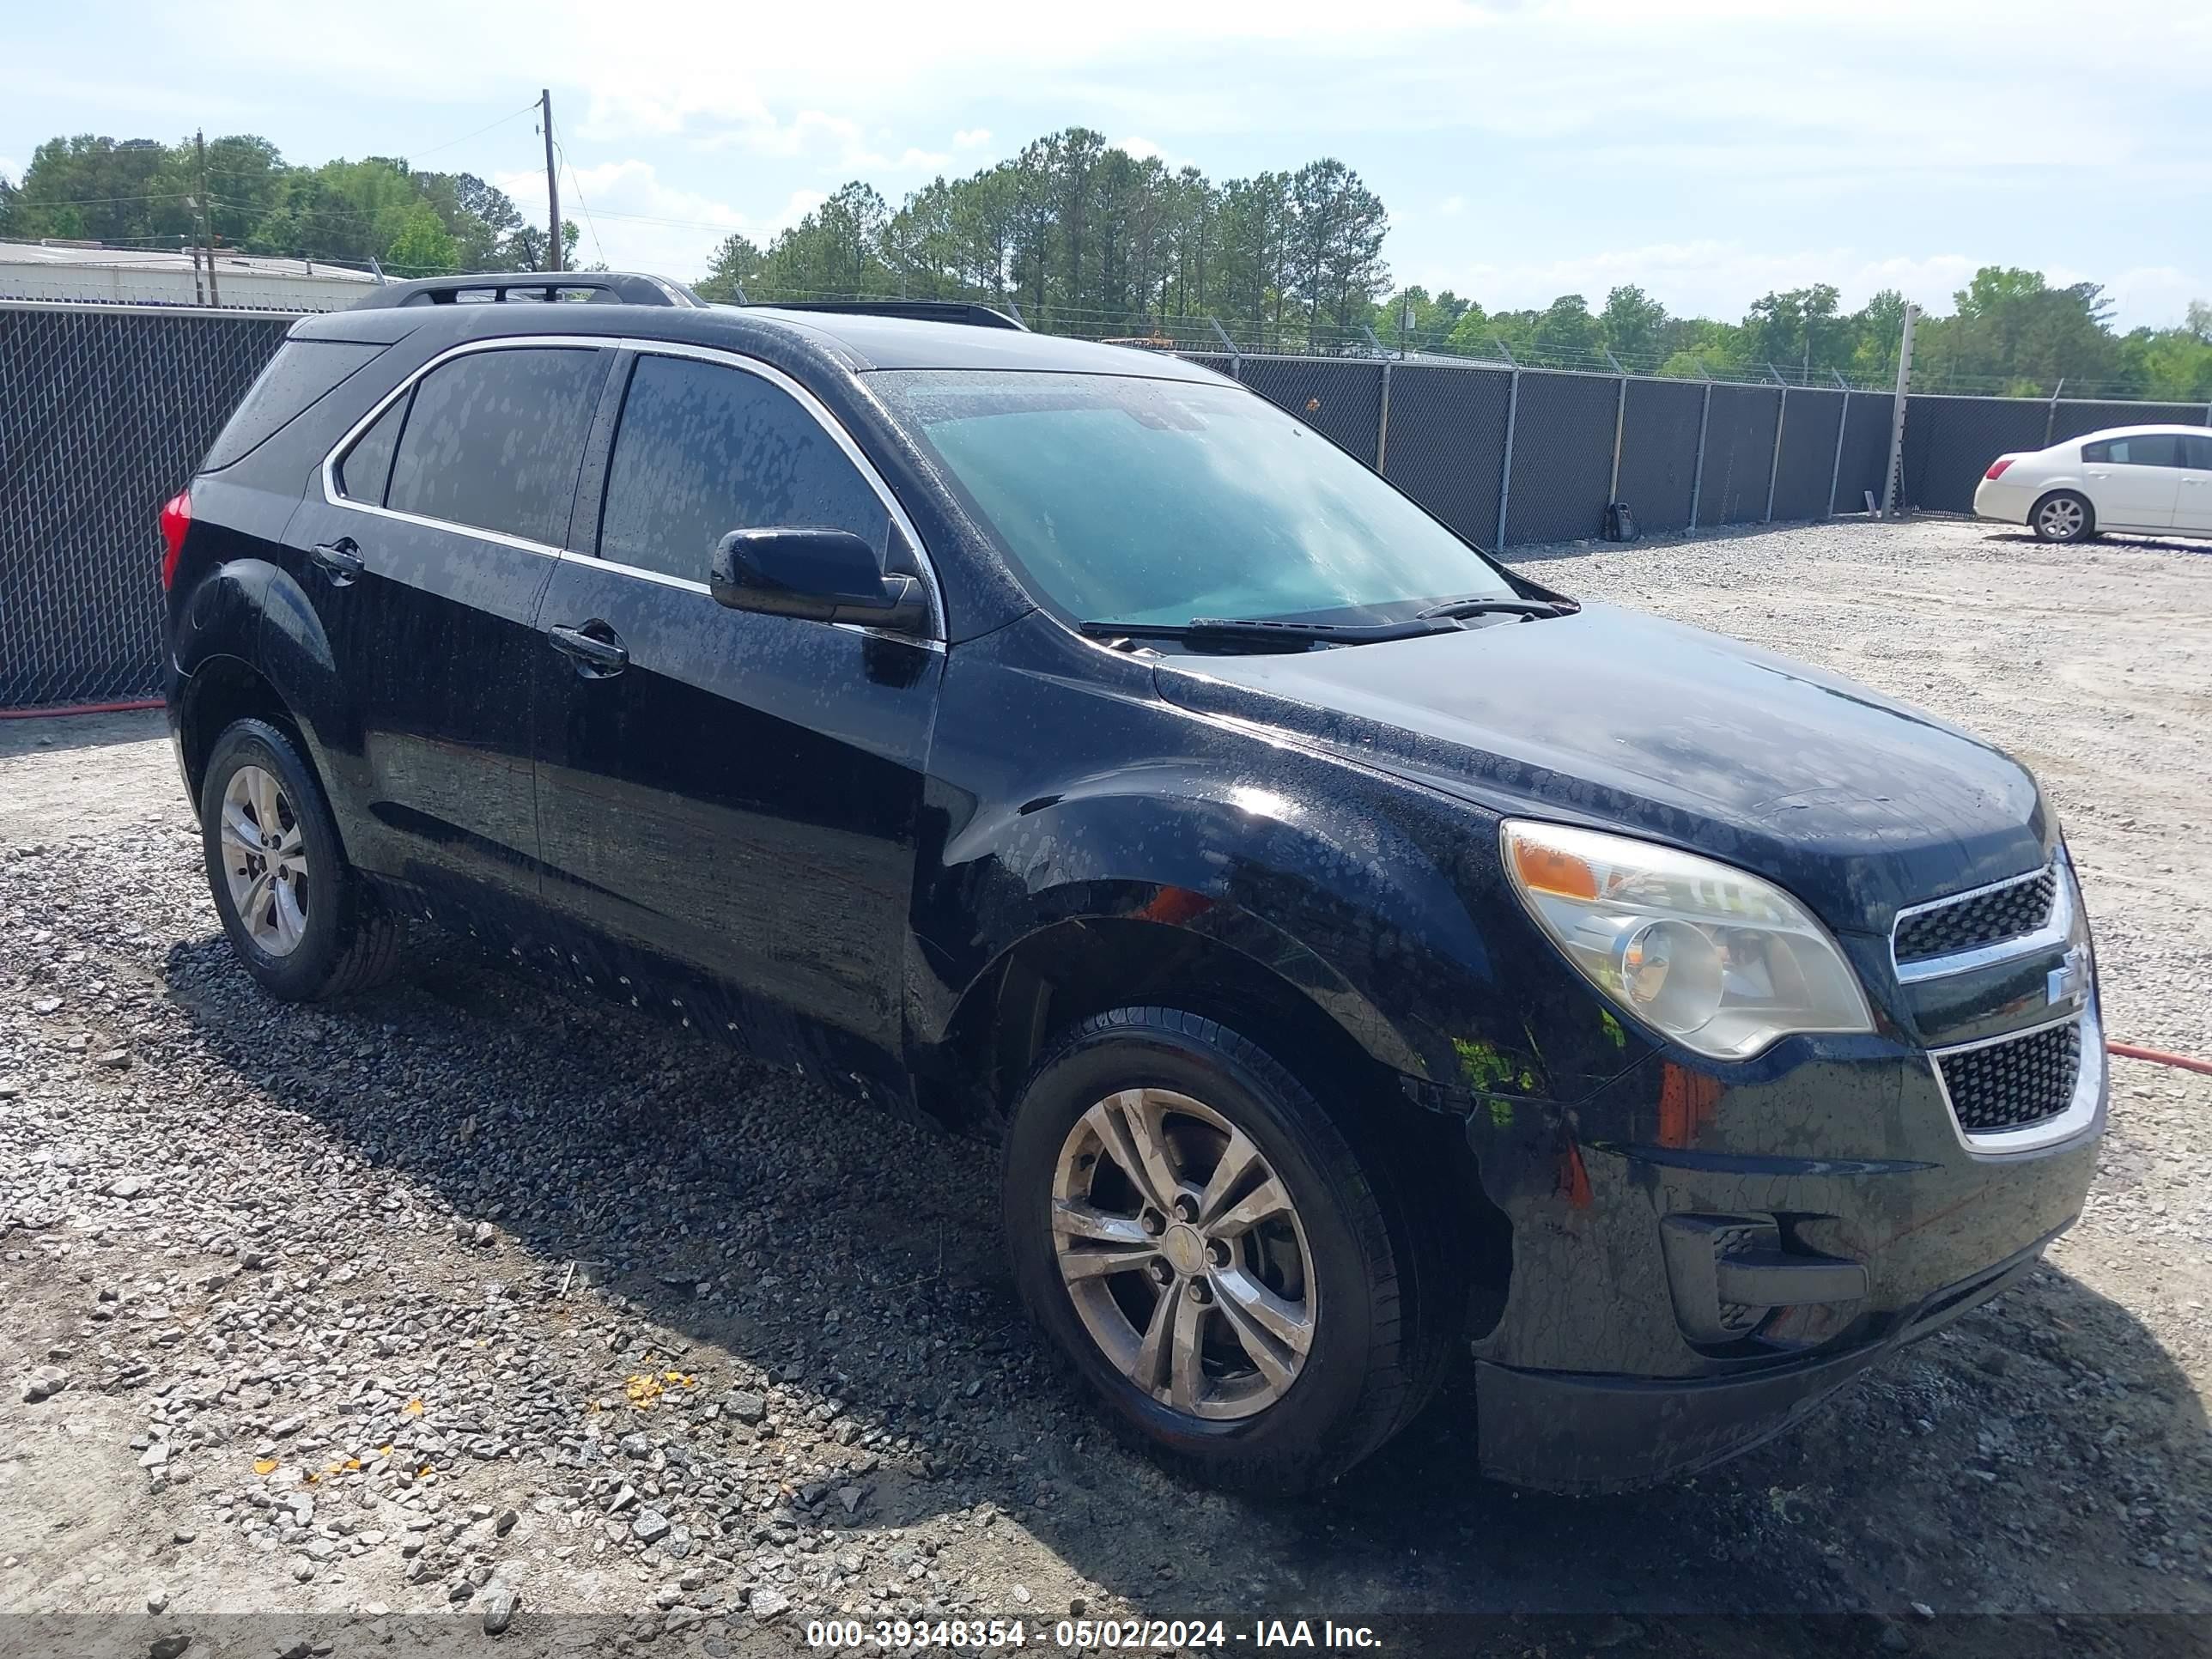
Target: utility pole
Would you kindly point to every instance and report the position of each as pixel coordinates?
(1892, 490)
(552, 183)
(207, 221)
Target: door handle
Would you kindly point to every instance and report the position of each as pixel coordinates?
(597, 654)
(339, 560)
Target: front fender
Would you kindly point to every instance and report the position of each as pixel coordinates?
(1330, 909)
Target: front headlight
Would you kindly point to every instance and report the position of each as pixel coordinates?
(1718, 959)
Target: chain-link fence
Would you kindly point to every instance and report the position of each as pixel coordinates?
(105, 409)
(104, 413)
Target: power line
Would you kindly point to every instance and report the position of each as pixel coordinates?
(104, 201)
(414, 155)
(582, 206)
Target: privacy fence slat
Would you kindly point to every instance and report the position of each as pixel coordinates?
(104, 414)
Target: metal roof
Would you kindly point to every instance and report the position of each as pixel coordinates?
(166, 260)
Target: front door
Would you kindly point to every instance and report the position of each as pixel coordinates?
(726, 797)
(2134, 481)
(426, 572)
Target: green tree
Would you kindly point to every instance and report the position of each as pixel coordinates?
(736, 269)
(1799, 327)
(1634, 326)
(423, 246)
(1566, 333)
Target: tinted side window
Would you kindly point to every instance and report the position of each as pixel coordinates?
(495, 438)
(2145, 449)
(703, 450)
(293, 381)
(2197, 452)
(364, 469)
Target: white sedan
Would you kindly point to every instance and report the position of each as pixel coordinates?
(2153, 479)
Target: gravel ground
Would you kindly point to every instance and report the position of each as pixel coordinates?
(471, 1294)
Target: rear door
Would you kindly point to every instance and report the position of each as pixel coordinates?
(2135, 481)
(728, 796)
(426, 553)
(2192, 507)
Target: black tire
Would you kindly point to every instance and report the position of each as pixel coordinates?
(1383, 1325)
(351, 942)
(2070, 518)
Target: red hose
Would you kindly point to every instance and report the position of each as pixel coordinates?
(2159, 1056)
(80, 708)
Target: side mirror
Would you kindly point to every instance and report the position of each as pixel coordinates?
(823, 575)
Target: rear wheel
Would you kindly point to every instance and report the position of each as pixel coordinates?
(1256, 1304)
(298, 914)
(2063, 516)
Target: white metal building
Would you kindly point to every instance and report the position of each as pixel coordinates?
(54, 271)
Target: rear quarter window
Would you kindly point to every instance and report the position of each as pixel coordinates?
(300, 375)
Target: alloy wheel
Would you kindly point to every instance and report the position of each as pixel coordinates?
(264, 860)
(1183, 1254)
(2061, 519)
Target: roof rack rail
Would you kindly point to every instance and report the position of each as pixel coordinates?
(617, 287)
(925, 311)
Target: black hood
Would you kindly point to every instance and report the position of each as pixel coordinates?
(1856, 803)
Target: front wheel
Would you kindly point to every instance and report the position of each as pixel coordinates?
(2063, 516)
(1246, 1297)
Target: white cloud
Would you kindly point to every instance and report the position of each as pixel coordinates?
(921, 160)
(1451, 207)
(636, 221)
(1140, 149)
(971, 138)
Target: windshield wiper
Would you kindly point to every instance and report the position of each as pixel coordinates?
(1484, 604)
(1267, 632)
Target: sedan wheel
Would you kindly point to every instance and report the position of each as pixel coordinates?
(1183, 1253)
(2061, 519)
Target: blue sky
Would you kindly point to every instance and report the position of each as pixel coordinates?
(1707, 149)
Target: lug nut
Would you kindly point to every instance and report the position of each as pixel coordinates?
(1186, 1208)
(1201, 1292)
(1217, 1252)
(1159, 1272)
(1153, 1223)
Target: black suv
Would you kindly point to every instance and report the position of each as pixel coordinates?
(1365, 954)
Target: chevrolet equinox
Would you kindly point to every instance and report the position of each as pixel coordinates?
(1366, 955)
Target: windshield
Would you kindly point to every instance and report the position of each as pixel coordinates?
(1155, 501)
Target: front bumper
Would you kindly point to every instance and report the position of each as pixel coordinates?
(1699, 1253)
(1566, 1432)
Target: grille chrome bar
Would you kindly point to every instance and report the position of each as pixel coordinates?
(2056, 928)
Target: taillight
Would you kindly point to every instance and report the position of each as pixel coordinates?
(1997, 467)
(176, 519)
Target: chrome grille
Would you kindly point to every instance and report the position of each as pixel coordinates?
(2014, 1082)
(1974, 921)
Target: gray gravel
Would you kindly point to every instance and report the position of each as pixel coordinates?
(472, 1298)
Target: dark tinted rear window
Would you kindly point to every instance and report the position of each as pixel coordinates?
(2144, 449)
(495, 438)
(703, 450)
(300, 372)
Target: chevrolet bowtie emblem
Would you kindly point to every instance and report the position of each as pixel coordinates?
(2069, 979)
